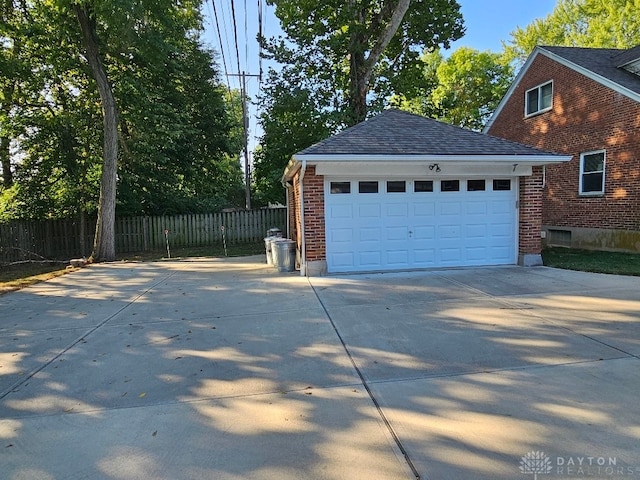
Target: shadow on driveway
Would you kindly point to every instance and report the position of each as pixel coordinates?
(227, 369)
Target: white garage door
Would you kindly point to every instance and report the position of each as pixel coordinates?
(374, 225)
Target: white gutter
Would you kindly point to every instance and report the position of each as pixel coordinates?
(303, 246)
(470, 159)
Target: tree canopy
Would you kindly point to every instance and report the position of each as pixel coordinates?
(462, 89)
(340, 61)
(580, 23)
(363, 50)
(179, 132)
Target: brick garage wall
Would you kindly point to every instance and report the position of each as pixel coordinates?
(586, 116)
(530, 213)
(314, 215)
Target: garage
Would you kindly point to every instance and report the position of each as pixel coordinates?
(402, 192)
(397, 224)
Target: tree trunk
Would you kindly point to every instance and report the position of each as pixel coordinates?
(104, 240)
(361, 67)
(358, 88)
(5, 162)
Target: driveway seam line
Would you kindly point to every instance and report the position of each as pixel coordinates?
(180, 402)
(499, 370)
(365, 384)
(81, 338)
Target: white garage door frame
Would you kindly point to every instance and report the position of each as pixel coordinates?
(411, 229)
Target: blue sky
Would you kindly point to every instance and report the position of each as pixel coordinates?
(488, 23)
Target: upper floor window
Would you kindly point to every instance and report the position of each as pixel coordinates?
(592, 173)
(538, 99)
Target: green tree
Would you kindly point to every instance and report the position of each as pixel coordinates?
(462, 89)
(292, 118)
(177, 137)
(365, 46)
(340, 61)
(580, 23)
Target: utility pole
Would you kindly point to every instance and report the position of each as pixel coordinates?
(245, 124)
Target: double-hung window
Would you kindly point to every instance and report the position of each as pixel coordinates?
(592, 173)
(538, 99)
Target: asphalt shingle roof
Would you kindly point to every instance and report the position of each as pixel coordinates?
(396, 133)
(604, 62)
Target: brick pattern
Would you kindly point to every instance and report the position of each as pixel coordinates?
(530, 213)
(586, 116)
(314, 215)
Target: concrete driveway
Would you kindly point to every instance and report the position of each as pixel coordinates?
(226, 369)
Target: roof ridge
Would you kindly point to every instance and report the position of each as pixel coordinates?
(400, 133)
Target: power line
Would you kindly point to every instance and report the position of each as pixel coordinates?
(224, 24)
(224, 60)
(235, 31)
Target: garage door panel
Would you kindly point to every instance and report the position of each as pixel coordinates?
(369, 211)
(451, 256)
(420, 229)
(339, 260)
(397, 258)
(476, 231)
(501, 206)
(477, 208)
(341, 211)
(397, 233)
(501, 230)
(501, 253)
(426, 232)
(424, 257)
(341, 235)
(423, 209)
(369, 234)
(448, 232)
(370, 259)
(475, 254)
(450, 208)
(397, 210)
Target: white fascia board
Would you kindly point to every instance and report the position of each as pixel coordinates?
(421, 170)
(531, 160)
(290, 170)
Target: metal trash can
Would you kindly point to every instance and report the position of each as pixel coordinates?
(284, 254)
(274, 232)
(267, 249)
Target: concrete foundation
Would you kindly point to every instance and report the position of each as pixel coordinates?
(592, 238)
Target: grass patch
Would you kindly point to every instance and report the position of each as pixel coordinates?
(15, 277)
(592, 261)
(216, 251)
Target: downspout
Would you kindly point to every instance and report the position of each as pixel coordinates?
(303, 247)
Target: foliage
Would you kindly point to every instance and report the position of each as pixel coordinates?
(179, 135)
(346, 45)
(341, 61)
(580, 23)
(292, 119)
(462, 89)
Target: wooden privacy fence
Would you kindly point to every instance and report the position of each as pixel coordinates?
(64, 239)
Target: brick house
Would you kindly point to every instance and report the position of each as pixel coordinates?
(400, 191)
(583, 102)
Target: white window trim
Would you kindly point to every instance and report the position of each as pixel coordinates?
(604, 171)
(526, 99)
